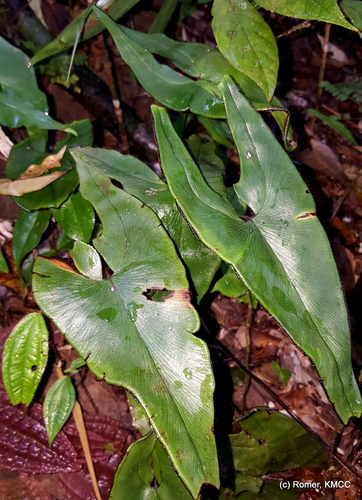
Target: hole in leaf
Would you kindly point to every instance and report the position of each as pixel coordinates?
(158, 295)
(154, 484)
(249, 214)
(116, 183)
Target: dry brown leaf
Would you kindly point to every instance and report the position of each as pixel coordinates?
(321, 157)
(19, 187)
(5, 144)
(51, 161)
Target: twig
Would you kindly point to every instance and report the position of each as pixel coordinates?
(322, 70)
(352, 124)
(300, 26)
(276, 398)
(247, 379)
(79, 422)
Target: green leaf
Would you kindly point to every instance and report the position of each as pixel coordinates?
(139, 418)
(281, 253)
(146, 472)
(20, 76)
(139, 180)
(68, 36)
(267, 442)
(16, 111)
(58, 405)
(283, 373)
(353, 9)
(32, 151)
(207, 63)
(3, 264)
(246, 41)
(28, 231)
(200, 61)
(217, 129)
(131, 340)
(25, 357)
(163, 16)
(76, 217)
(210, 161)
(320, 10)
(87, 260)
(333, 122)
(21, 101)
(163, 83)
(230, 285)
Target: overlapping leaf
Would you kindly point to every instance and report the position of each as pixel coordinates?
(131, 337)
(207, 63)
(139, 180)
(353, 10)
(146, 472)
(267, 442)
(76, 217)
(32, 151)
(21, 101)
(67, 38)
(320, 10)
(246, 41)
(281, 253)
(28, 230)
(163, 83)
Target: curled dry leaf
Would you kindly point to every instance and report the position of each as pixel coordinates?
(19, 187)
(5, 144)
(51, 161)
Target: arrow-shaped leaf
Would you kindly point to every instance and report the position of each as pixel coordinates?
(281, 253)
(161, 82)
(135, 328)
(140, 181)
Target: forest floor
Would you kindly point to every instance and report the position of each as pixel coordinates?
(330, 166)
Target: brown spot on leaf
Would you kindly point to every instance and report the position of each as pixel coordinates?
(62, 265)
(307, 215)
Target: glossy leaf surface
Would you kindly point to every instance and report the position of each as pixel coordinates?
(163, 83)
(76, 217)
(128, 337)
(207, 63)
(28, 230)
(58, 405)
(87, 260)
(25, 357)
(246, 41)
(146, 472)
(21, 101)
(281, 253)
(140, 181)
(320, 10)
